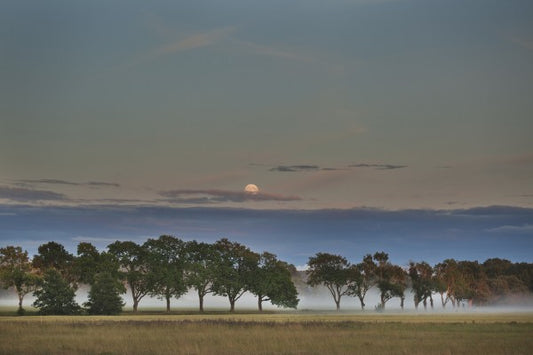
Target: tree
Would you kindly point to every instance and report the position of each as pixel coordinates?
(272, 282)
(332, 271)
(53, 255)
(362, 279)
(104, 295)
(391, 279)
(165, 257)
(473, 283)
(201, 263)
(421, 275)
(86, 265)
(55, 296)
(16, 272)
(234, 272)
(446, 276)
(132, 259)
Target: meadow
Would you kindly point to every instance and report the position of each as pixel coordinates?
(269, 333)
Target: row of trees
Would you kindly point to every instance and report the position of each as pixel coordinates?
(454, 281)
(166, 267)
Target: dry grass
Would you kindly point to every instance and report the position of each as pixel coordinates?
(268, 334)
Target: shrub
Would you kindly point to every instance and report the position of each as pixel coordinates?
(56, 296)
(104, 296)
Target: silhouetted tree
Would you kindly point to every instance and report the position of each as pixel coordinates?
(332, 271)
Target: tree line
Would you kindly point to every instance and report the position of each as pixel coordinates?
(168, 267)
(453, 281)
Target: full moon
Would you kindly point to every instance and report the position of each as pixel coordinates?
(251, 189)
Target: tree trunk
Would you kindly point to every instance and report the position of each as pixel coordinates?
(232, 305)
(201, 299)
(338, 304)
(20, 302)
(135, 305)
(260, 303)
(431, 301)
(168, 303)
(383, 301)
(362, 303)
(402, 302)
(425, 303)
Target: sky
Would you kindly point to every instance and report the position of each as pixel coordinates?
(345, 114)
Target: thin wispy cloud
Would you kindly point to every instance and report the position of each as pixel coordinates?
(378, 166)
(65, 182)
(28, 195)
(194, 41)
(191, 42)
(217, 196)
(272, 51)
(527, 228)
(311, 168)
(295, 168)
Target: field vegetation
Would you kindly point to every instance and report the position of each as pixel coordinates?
(268, 333)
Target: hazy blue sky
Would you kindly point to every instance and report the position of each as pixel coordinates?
(340, 104)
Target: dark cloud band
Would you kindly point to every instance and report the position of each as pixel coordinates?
(217, 196)
(27, 195)
(65, 182)
(378, 166)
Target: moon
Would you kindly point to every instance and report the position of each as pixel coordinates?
(251, 189)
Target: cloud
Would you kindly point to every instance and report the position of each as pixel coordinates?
(295, 168)
(274, 52)
(217, 196)
(64, 182)
(23, 194)
(526, 228)
(48, 181)
(93, 239)
(100, 183)
(308, 168)
(194, 41)
(188, 43)
(300, 168)
(378, 166)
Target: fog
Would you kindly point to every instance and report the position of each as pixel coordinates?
(311, 299)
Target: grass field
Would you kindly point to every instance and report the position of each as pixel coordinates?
(271, 333)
